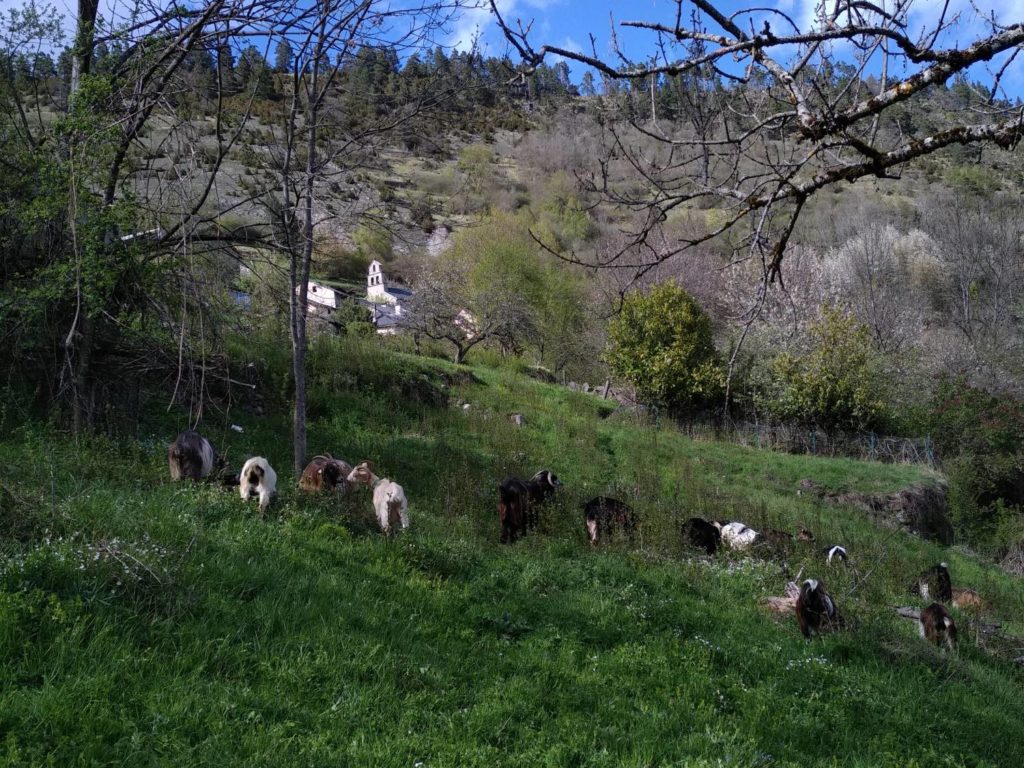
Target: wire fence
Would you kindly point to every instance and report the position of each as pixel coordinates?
(810, 440)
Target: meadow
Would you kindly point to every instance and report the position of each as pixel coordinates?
(150, 623)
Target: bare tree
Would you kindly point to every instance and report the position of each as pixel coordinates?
(450, 306)
(798, 115)
(317, 148)
(798, 121)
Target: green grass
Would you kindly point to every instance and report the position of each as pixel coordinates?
(147, 623)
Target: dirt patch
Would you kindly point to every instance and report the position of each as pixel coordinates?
(922, 510)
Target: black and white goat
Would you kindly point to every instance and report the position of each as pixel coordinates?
(815, 610)
(191, 456)
(737, 535)
(934, 584)
(937, 626)
(258, 479)
(836, 554)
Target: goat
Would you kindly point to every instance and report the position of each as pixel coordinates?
(968, 599)
(934, 584)
(603, 514)
(737, 535)
(258, 478)
(325, 473)
(389, 501)
(702, 535)
(815, 610)
(513, 502)
(785, 538)
(540, 488)
(191, 456)
(836, 553)
(937, 626)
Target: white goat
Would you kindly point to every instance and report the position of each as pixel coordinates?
(389, 500)
(258, 478)
(737, 535)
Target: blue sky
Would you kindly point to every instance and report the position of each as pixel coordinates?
(569, 23)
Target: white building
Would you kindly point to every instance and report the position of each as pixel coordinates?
(322, 295)
(385, 300)
(379, 289)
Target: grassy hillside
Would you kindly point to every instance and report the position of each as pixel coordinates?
(145, 623)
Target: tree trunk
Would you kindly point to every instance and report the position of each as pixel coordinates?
(85, 33)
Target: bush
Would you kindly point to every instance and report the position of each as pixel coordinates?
(977, 435)
(837, 384)
(661, 342)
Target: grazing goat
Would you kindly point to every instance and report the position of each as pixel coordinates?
(934, 584)
(258, 478)
(513, 503)
(835, 554)
(967, 599)
(540, 488)
(191, 456)
(702, 535)
(937, 626)
(737, 535)
(603, 514)
(784, 538)
(389, 500)
(325, 473)
(815, 611)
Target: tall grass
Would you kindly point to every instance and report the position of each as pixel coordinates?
(145, 623)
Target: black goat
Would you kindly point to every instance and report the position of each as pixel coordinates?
(540, 489)
(701, 534)
(603, 514)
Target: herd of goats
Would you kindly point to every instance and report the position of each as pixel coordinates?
(192, 457)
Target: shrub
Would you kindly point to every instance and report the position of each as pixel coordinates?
(977, 435)
(838, 383)
(661, 342)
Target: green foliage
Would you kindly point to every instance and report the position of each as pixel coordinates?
(973, 179)
(339, 263)
(373, 241)
(661, 342)
(837, 383)
(977, 435)
(564, 214)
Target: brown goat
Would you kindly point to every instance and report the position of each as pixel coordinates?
(937, 626)
(325, 473)
(513, 505)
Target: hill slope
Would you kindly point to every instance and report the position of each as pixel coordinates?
(145, 623)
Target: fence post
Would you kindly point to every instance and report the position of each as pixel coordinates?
(814, 440)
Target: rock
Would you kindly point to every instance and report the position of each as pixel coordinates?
(574, 387)
(517, 419)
